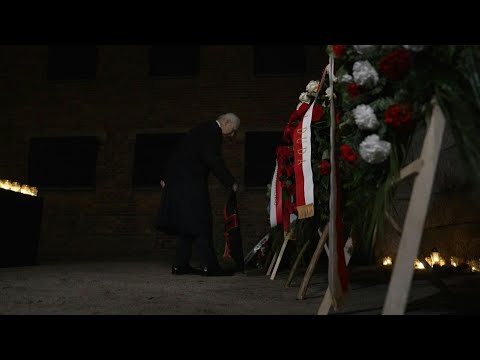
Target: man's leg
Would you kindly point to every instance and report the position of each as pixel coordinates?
(208, 258)
(183, 250)
(206, 251)
(183, 255)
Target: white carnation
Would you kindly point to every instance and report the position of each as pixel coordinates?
(414, 48)
(365, 117)
(304, 97)
(313, 87)
(373, 150)
(328, 93)
(364, 49)
(346, 78)
(364, 74)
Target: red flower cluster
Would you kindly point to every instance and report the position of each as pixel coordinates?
(338, 50)
(398, 116)
(291, 208)
(353, 89)
(288, 134)
(283, 153)
(317, 113)
(325, 167)
(285, 167)
(396, 64)
(338, 118)
(289, 171)
(348, 154)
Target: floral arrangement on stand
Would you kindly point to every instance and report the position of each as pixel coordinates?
(382, 94)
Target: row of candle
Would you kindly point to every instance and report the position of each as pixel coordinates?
(17, 187)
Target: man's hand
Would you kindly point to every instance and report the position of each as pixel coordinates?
(235, 187)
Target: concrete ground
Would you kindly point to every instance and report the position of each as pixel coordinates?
(146, 286)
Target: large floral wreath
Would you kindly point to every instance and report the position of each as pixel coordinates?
(382, 94)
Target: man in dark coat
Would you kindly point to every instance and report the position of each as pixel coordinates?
(185, 209)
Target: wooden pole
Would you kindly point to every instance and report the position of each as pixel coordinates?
(326, 304)
(287, 237)
(295, 264)
(313, 262)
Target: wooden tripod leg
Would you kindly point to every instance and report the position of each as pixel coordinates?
(279, 258)
(313, 262)
(402, 274)
(272, 262)
(295, 264)
(326, 304)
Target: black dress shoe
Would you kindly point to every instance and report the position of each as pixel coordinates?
(216, 271)
(182, 270)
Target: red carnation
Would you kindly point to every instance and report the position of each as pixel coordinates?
(325, 167)
(338, 118)
(288, 134)
(396, 64)
(283, 153)
(291, 208)
(317, 113)
(353, 89)
(398, 116)
(289, 170)
(338, 50)
(348, 154)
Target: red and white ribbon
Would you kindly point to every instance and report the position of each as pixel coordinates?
(302, 147)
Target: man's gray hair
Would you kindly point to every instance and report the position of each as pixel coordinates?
(232, 117)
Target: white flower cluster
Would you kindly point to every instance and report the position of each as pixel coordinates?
(313, 87)
(373, 150)
(365, 117)
(328, 93)
(414, 48)
(304, 98)
(364, 74)
(346, 78)
(364, 49)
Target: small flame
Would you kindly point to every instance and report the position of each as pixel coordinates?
(419, 265)
(387, 260)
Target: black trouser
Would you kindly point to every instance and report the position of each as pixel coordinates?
(205, 249)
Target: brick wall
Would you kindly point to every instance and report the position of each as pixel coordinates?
(114, 218)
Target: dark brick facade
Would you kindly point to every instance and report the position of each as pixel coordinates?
(114, 218)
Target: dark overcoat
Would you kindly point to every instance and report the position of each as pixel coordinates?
(185, 202)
